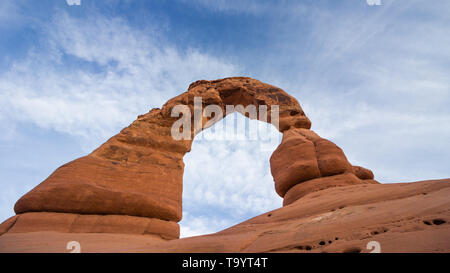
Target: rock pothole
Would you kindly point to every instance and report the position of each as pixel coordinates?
(437, 222)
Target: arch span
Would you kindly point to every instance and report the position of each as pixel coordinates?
(138, 173)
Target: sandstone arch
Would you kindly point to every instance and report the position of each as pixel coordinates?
(133, 182)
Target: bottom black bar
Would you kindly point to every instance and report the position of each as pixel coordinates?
(229, 262)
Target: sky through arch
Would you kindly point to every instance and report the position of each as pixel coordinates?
(217, 192)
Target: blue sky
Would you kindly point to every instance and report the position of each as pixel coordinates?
(373, 79)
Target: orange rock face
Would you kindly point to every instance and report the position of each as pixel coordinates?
(362, 173)
(293, 162)
(322, 183)
(304, 162)
(75, 223)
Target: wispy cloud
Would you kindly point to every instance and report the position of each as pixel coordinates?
(92, 77)
(73, 2)
(226, 182)
(374, 80)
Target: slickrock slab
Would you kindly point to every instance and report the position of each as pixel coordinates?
(401, 217)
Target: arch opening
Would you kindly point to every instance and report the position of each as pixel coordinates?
(227, 175)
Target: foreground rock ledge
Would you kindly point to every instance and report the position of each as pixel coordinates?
(402, 217)
(132, 186)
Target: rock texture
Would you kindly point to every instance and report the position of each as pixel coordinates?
(132, 184)
(75, 223)
(303, 156)
(402, 217)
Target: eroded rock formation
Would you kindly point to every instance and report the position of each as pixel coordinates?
(303, 156)
(133, 182)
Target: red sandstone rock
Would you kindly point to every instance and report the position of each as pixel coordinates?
(78, 223)
(304, 156)
(93, 185)
(331, 158)
(132, 184)
(318, 184)
(402, 217)
(7, 224)
(362, 173)
(293, 162)
(139, 171)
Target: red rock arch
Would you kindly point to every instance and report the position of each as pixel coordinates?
(134, 180)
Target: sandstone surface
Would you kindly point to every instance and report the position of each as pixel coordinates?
(130, 190)
(401, 217)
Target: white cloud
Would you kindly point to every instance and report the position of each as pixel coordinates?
(252, 7)
(73, 2)
(227, 180)
(120, 72)
(374, 81)
(199, 225)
